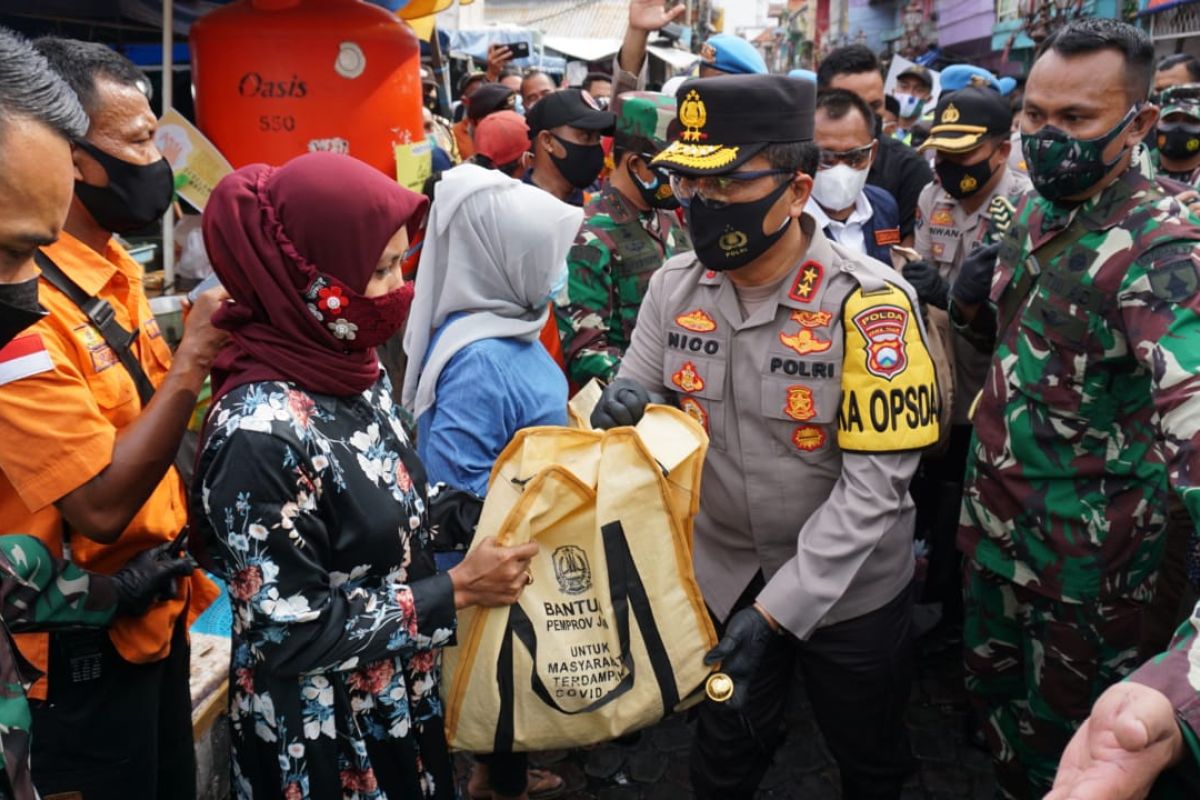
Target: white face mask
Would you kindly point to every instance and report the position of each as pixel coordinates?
(910, 105)
(838, 187)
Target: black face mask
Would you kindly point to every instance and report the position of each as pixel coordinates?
(963, 181)
(657, 194)
(582, 163)
(1179, 143)
(18, 308)
(730, 236)
(136, 194)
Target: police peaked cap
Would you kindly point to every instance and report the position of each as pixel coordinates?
(727, 120)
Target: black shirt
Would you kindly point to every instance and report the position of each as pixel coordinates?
(903, 172)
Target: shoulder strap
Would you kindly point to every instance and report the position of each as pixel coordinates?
(100, 313)
(1046, 253)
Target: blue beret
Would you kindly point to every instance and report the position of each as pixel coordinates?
(803, 75)
(960, 76)
(732, 55)
(1006, 85)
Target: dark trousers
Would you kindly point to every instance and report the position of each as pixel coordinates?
(858, 675)
(937, 491)
(508, 772)
(112, 729)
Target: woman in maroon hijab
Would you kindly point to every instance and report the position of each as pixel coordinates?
(311, 500)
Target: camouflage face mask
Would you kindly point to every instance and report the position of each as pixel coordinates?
(1062, 166)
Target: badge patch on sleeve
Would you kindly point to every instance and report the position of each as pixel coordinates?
(23, 357)
(890, 397)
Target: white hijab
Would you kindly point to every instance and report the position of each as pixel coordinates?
(494, 248)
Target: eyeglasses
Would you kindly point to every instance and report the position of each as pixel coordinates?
(715, 189)
(856, 158)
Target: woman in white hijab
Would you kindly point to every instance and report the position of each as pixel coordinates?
(494, 256)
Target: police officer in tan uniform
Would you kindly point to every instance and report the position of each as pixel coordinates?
(808, 367)
(969, 207)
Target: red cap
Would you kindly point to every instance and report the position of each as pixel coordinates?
(502, 137)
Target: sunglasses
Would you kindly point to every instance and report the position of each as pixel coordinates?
(856, 158)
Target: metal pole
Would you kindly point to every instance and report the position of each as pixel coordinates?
(168, 65)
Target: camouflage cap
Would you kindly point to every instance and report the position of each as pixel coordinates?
(643, 119)
(1182, 99)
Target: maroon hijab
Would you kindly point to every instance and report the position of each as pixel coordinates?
(271, 232)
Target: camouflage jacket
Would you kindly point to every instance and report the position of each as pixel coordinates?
(1170, 673)
(37, 592)
(1092, 397)
(616, 252)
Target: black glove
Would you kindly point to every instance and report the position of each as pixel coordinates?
(932, 289)
(623, 403)
(149, 577)
(974, 282)
(740, 651)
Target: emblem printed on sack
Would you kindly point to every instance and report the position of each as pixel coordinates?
(883, 327)
(687, 378)
(800, 405)
(691, 406)
(808, 438)
(698, 321)
(808, 281)
(571, 569)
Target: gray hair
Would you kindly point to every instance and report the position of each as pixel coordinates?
(30, 88)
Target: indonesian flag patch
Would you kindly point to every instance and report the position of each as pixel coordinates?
(23, 357)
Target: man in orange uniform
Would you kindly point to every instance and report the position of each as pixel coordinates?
(90, 425)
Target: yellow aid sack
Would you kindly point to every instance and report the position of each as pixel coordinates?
(610, 636)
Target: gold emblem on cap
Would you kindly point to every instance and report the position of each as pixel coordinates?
(968, 183)
(718, 687)
(950, 115)
(1193, 145)
(693, 115)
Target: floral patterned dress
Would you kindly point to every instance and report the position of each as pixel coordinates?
(315, 508)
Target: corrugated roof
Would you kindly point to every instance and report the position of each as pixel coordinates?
(600, 19)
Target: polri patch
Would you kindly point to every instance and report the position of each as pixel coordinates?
(808, 438)
(688, 379)
(800, 405)
(691, 406)
(697, 321)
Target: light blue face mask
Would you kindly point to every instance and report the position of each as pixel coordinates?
(519, 105)
(558, 292)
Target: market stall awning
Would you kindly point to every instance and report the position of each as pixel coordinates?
(582, 48)
(679, 59)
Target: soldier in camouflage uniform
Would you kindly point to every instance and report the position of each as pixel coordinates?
(629, 230)
(40, 593)
(1091, 401)
(1140, 728)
